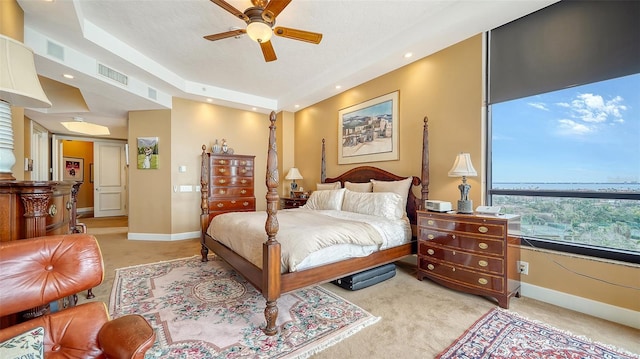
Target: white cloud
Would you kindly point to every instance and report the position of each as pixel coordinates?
(570, 127)
(538, 105)
(594, 109)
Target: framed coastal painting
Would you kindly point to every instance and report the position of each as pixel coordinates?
(73, 169)
(368, 132)
(147, 153)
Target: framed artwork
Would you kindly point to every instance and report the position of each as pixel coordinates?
(73, 169)
(91, 172)
(147, 152)
(368, 132)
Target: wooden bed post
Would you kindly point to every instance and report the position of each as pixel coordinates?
(271, 248)
(323, 165)
(204, 201)
(425, 163)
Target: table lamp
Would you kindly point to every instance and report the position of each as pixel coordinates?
(19, 86)
(462, 167)
(293, 175)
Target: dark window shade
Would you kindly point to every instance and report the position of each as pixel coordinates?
(565, 44)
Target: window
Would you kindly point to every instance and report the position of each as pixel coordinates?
(568, 161)
(564, 132)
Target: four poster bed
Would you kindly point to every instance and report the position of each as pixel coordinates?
(272, 264)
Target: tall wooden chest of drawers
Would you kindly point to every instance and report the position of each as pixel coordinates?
(471, 253)
(231, 184)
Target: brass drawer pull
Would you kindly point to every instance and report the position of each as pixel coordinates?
(222, 162)
(243, 181)
(482, 263)
(222, 181)
(69, 205)
(53, 210)
(430, 251)
(483, 229)
(245, 203)
(233, 202)
(220, 205)
(243, 191)
(243, 171)
(430, 266)
(222, 170)
(430, 236)
(482, 281)
(430, 222)
(222, 191)
(243, 162)
(483, 245)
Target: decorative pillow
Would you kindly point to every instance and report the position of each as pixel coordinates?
(359, 187)
(327, 199)
(401, 187)
(327, 186)
(382, 204)
(26, 345)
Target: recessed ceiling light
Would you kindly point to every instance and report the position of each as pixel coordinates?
(296, 106)
(338, 87)
(408, 55)
(69, 76)
(209, 100)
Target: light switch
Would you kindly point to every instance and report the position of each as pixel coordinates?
(182, 169)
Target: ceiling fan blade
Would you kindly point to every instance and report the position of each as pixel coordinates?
(273, 9)
(268, 51)
(301, 35)
(224, 35)
(235, 12)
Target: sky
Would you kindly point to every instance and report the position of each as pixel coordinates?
(583, 134)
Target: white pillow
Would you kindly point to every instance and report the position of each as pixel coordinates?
(400, 187)
(327, 186)
(327, 199)
(358, 187)
(382, 204)
(26, 345)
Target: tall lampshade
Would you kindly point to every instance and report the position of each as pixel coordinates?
(462, 167)
(19, 86)
(293, 175)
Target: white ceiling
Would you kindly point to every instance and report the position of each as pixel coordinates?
(158, 44)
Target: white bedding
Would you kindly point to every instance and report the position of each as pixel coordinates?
(309, 238)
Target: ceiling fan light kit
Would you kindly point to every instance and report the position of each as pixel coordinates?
(260, 20)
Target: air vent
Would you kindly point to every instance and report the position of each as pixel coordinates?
(153, 94)
(55, 50)
(113, 74)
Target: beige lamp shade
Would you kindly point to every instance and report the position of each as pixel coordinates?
(19, 84)
(462, 166)
(293, 174)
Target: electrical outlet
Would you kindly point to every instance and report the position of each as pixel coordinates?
(523, 267)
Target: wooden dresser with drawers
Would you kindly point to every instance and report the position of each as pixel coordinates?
(471, 253)
(231, 184)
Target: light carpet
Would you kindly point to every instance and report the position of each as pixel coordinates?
(207, 310)
(504, 334)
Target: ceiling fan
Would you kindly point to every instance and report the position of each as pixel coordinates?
(260, 19)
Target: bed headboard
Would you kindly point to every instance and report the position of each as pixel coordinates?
(364, 174)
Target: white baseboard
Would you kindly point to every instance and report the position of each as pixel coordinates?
(84, 210)
(163, 237)
(606, 311)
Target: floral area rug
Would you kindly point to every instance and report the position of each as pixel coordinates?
(207, 310)
(503, 334)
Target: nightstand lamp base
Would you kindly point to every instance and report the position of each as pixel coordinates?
(465, 206)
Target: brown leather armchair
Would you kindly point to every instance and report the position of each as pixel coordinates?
(38, 271)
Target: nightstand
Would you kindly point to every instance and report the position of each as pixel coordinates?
(287, 202)
(471, 253)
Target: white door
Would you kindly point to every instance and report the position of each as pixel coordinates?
(109, 179)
